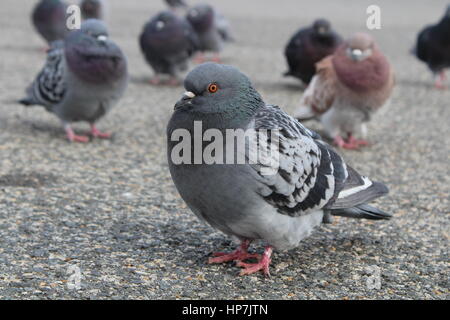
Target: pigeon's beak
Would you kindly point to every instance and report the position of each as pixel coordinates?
(185, 100)
(189, 95)
(355, 54)
(102, 38)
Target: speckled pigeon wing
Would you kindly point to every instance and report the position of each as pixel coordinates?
(309, 174)
(49, 87)
(320, 94)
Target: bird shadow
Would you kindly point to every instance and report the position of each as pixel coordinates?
(416, 83)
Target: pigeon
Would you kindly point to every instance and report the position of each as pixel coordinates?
(83, 77)
(279, 202)
(348, 88)
(168, 41)
(49, 19)
(212, 29)
(175, 4)
(308, 46)
(433, 48)
(93, 9)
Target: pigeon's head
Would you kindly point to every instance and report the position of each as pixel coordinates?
(95, 28)
(201, 17)
(176, 3)
(322, 27)
(221, 91)
(359, 47)
(162, 20)
(92, 56)
(91, 9)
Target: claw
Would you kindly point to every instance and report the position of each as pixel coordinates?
(351, 143)
(72, 137)
(262, 265)
(239, 254)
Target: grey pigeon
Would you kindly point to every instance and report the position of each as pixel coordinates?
(433, 48)
(310, 183)
(83, 77)
(49, 19)
(168, 41)
(349, 87)
(308, 46)
(93, 9)
(211, 27)
(176, 4)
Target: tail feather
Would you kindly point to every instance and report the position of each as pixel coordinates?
(362, 211)
(26, 102)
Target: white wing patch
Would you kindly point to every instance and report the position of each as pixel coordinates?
(349, 192)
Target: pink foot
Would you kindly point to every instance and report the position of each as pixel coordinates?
(200, 58)
(358, 142)
(440, 81)
(98, 134)
(216, 58)
(155, 81)
(341, 143)
(173, 82)
(75, 138)
(262, 265)
(237, 255)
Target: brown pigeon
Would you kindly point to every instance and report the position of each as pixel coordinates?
(349, 87)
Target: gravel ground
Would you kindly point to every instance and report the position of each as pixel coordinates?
(109, 209)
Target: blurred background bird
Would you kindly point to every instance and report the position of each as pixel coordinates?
(83, 77)
(167, 42)
(433, 48)
(93, 9)
(349, 87)
(212, 30)
(308, 46)
(49, 19)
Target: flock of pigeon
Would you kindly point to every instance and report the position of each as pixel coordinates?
(85, 74)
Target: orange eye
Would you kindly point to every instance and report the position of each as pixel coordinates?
(213, 88)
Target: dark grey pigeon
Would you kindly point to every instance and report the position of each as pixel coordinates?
(93, 9)
(83, 77)
(280, 202)
(176, 3)
(211, 27)
(168, 41)
(49, 19)
(433, 48)
(308, 46)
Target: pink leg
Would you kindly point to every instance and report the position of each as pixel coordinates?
(73, 137)
(440, 81)
(239, 254)
(98, 134)
(262, 265)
